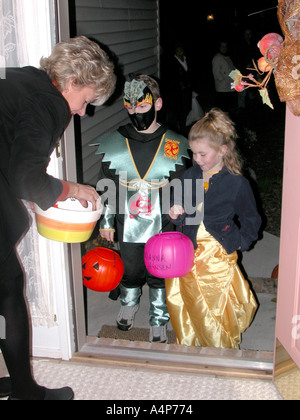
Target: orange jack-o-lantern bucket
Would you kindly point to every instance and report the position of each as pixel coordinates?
(102, 269)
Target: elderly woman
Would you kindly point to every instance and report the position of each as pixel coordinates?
(35, 108)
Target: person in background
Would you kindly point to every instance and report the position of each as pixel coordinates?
(222, 66)
(36, 106)
(249, 100)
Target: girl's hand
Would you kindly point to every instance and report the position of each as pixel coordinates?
(176, 211)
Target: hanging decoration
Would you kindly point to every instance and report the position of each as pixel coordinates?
(281, 57)
(270, 46)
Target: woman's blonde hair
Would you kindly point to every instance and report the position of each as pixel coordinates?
(220, 130)
(83, 61)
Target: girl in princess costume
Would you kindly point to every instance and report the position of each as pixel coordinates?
(213, 305)
(140, 158)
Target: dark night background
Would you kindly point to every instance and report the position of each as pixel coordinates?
(262, 147)
(186, 21)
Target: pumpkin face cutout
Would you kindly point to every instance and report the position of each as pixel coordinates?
(169, 255)
(102, 269)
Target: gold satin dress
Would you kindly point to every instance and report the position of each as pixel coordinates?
(213, 304)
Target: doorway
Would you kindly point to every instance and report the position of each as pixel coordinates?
(258, 264)
(100, 310)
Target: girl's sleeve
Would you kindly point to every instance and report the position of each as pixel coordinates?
(249, 217)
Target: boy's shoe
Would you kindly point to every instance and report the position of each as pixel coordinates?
(158, 334)
(125, 319)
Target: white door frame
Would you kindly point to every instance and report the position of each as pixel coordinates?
(69, 153)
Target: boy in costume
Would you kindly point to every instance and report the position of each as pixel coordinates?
(140, 158)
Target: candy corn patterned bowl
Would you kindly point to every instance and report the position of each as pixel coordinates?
(67, 221)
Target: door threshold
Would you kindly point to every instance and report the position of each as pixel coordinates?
(176, 358)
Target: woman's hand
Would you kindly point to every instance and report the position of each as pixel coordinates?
(84, 193)
(176, 211)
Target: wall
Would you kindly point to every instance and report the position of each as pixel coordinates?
(130, 29)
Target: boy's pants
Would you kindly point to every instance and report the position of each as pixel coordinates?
(135, 277)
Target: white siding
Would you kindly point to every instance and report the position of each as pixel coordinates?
(130, 29)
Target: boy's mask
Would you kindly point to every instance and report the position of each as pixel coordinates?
(137, 93)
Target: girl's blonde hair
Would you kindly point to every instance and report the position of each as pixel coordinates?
(220, 130)
(83, 61)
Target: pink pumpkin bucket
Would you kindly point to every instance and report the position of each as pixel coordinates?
(169, 254)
